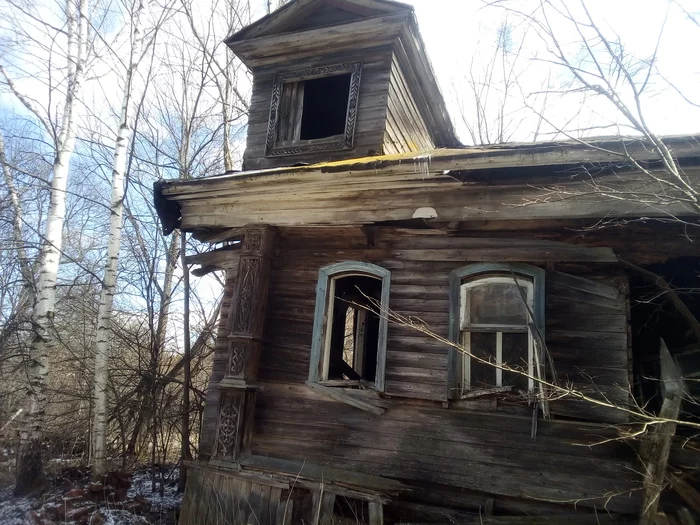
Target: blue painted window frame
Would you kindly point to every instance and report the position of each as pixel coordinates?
(325, 275)
(474, 271)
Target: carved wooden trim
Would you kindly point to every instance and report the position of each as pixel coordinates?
(237, 359)
(243, 358)
(339, 142)
(228, 431)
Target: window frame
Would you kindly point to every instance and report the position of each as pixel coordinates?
(499, 329)
(476, 272)
(334, 143)
(320, 342)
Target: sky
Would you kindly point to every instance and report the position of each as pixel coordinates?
(460, 35)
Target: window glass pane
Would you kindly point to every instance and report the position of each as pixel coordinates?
(498, 304)
(483, 345)
(515, 355)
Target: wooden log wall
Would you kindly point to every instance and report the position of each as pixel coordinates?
(484, 446)
(405, 127)
(581, 346)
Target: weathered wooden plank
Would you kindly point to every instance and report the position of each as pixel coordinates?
(224, 258)
(655, 447)
(573, 519)
(338, 395)
(527, 483)
(369, 482)
(376, 513)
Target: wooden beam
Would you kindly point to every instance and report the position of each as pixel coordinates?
(376, 513)
(224, 258)
(568, 519)
(656, 446)
(368, 483)
(322, 508)
(228, 234)
(339, 395)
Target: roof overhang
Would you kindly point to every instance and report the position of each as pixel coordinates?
(460, 184)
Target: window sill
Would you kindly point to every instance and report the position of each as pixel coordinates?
(484, 392)
(367, 400)
(347, 383)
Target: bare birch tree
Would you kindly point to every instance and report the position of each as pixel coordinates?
(76, 33)
(137, 24)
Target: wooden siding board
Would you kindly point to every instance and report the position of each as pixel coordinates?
(406, 129)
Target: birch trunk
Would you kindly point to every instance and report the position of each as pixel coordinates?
(29, 462)
(104, 312)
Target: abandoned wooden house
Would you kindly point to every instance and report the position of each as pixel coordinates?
(414, 331)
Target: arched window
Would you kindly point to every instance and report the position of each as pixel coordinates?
(349, 336)
(497, 312)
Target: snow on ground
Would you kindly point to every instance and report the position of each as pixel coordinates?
(123, 517)
(15, 511)
(141, 486)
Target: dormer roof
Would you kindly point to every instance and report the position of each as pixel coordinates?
(299, 15)
(312, 28)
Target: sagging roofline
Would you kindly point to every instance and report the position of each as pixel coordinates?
(598, 152)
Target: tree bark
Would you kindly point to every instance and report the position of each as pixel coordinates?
(104, 314)
(29, 461)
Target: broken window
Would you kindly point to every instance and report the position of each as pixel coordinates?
(314, 110)
(495, 330)
(353, 331)
(349, 339)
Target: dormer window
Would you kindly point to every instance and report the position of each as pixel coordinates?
(314, 110)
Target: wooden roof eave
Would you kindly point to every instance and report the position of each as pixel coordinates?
(263, 50)
(441, 160)
(350, 195)
(280, 20)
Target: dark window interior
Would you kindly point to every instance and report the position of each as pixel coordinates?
(350, 511)
(355, 329)
(483, 345)
(325, 107)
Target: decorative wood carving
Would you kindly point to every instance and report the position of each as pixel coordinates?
(246, 320)
(228, 432)
(249, 272)
(339, 142)
(237, 359)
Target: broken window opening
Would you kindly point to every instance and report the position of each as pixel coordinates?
(313, 109)
(350, 510)
(348, 346)
(494, 326)
(352, 338)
